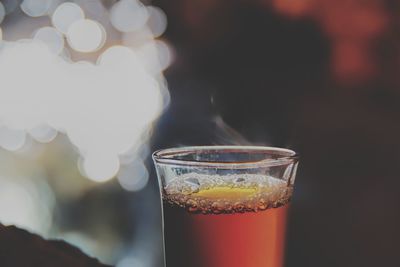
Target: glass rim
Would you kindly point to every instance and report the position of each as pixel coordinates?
(166, 156)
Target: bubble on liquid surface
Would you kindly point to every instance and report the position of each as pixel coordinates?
(193, 183)
(217, 194)
(262, 204)
(240, 180)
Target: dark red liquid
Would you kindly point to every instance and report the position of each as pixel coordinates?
(249, 239)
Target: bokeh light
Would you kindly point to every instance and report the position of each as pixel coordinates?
(94, 9)
(100, 166)
(86, 35)
(293, 8)
(43, 133)
(30, 76)
(52, 38)
(137, 38)
(350, 25)
(66, 14)
(35, 8)
(155, 55)
(131, 261)
(128, 15)
(12, 139)
(2, 12)
(53, 6)
(21, 203)
(114, 101)
(88, 75)
(134, 176)
(157, 21)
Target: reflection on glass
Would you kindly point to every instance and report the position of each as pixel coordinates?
(225, 206)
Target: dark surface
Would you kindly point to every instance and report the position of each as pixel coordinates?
(19, 248)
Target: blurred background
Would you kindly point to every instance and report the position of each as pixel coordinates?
(88, 89)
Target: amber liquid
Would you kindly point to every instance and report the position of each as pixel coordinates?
(199, 238)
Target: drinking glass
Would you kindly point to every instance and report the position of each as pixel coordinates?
(225, 206)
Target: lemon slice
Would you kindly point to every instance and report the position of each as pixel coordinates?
(225, 192)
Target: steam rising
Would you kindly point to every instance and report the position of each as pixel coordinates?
(226, 135)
